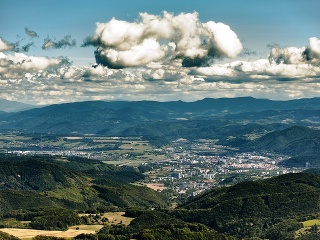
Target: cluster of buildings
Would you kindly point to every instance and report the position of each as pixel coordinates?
(192, 170)
(189, 168)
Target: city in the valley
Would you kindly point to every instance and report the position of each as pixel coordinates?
(183, 167)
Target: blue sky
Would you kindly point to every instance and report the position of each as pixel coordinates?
(257, 25)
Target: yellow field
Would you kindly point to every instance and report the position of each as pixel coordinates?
(114, 218)
(26, 234)
(70, 233)
(311, 223)
(117, 217)
(307, 226)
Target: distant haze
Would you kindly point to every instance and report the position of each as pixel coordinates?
(12, 106)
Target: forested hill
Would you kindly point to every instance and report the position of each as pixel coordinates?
(264, 208)
(115, 117)
(286, 184)
(267, 209)
(255, 208)
(37, 175)
(296, 140)
(72, 183)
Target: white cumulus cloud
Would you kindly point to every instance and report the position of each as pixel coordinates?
(19, 64)
(162, 58)
(225, 41)
(294, 55)
(161, 39)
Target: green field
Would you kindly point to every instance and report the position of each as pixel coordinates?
(130, 151)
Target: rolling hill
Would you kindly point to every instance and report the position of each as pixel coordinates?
(117, 118)
(266, 209)
(42, 182)
(251, 208)
(37, 175)
(296, 140)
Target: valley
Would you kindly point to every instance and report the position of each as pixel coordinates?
(211, 169)
(185, 167)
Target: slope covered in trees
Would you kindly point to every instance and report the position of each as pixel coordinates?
(253, 208)
(296, 140)
(38, 182)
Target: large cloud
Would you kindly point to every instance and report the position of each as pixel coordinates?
(48, 81)
(161, 39)
(283, 64)
(244, 71)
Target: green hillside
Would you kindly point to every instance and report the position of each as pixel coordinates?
(32, 183)
(37, 175)
(267, 209)
(296, 140)
(157, 225)
(254, 208)
(301, 161)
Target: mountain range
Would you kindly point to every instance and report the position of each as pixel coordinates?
(229, 120)
(122, 118)
(230, 105)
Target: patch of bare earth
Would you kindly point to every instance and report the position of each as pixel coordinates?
(156, 186)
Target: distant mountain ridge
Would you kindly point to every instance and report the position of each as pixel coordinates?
(115, 118)
(13, 106)
(234, 105)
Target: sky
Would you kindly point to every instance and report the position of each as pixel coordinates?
(73, 50)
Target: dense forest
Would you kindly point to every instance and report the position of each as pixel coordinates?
(38, 182)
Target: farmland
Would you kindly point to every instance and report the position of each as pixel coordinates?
(27, 234)
(131, 151)
(73, 231)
